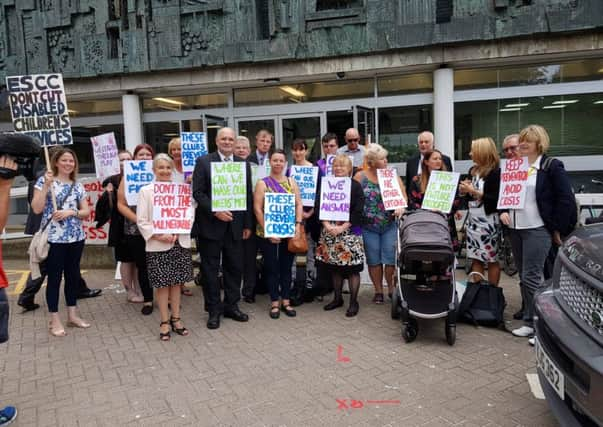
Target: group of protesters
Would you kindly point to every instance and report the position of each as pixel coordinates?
(155, 267)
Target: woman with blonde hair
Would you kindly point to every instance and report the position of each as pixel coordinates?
(548, 213)
(379, 231)
(481, 190)
(168, 255)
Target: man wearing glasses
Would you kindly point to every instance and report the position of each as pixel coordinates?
(511, 146)
(353, 149)
(511, 151)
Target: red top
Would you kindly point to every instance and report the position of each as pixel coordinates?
(3, 279)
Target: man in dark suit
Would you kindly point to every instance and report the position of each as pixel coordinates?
(413, 165)
(263, 143)
(220, 235)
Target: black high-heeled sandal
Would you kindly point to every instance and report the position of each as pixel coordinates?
(164, 336)
(180, 331)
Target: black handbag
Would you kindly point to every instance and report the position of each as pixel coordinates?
(483, 304)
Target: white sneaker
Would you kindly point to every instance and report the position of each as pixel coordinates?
(524, 331)
(532, 341)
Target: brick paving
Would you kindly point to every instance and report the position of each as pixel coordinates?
(263, 373)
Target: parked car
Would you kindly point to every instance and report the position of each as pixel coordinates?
(569, 331)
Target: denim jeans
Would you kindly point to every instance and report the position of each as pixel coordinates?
(277, 268)
(530, 249)
(3, 316)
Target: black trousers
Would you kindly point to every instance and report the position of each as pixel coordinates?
(250, 249)
(32, 286)
(231, 253)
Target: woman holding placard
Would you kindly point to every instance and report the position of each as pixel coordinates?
(168, 255)
(299, 151)
(66, 235)
(277, 258)
(545, 217)
(132, 239)
(175, 152)
(432, 160)
(379, 230)
(340, 248)
(481, 190)
(127, 269)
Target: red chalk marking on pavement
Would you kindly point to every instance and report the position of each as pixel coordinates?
(340, 356)
(354, 404)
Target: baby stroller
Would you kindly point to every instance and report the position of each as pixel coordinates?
(426, 286)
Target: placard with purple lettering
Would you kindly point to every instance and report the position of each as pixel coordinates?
(172, 208)
(335, 196)
(106, 159)
(513, 183)
(228, 186)
(441, 190)
(39, 107)
(279, 215)
(137, 174)
(329, 164)
(194, 144)
(391, 193)
(306, 178)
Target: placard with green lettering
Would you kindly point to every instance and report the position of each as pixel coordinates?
(441, 190)
(228, 186)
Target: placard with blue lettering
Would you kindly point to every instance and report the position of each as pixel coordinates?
(39, 107)
(137, 174)
(228, 186)
(306, 177)
(279, 215)
(335, 197)
(194, 144)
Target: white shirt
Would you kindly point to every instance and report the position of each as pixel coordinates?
(420, 163)
(224, 158)
(357, 156)
(528, 217)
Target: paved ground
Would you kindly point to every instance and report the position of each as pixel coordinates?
(264, 373)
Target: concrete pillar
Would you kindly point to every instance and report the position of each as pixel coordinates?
(443, 110)
(132, 121)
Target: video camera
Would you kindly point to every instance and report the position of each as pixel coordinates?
(24, 150)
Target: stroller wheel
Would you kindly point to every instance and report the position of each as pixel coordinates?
(396, 308)
(411, 330)
(450, 333)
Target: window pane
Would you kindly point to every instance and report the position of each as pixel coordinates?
(530, 74)
(95, 107)
(412, 83)
(250, 128)
(83, 147)
(158, 134)
(572, 121)
(177, 103)
(399, 128)
(306, 92)
(306, 128)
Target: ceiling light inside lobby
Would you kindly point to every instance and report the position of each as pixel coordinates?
(598, 102)
(521, 104)
(169, 101)
(566, 101)
(510, 109)
(551, 107)
(292, 91)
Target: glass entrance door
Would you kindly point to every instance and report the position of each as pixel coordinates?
(364, 121)
(310, 128)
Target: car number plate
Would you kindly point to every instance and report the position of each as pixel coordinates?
(552, 373)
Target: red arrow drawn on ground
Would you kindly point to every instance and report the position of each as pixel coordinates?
(340, 356)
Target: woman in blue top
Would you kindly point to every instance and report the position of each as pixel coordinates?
(65, 235)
